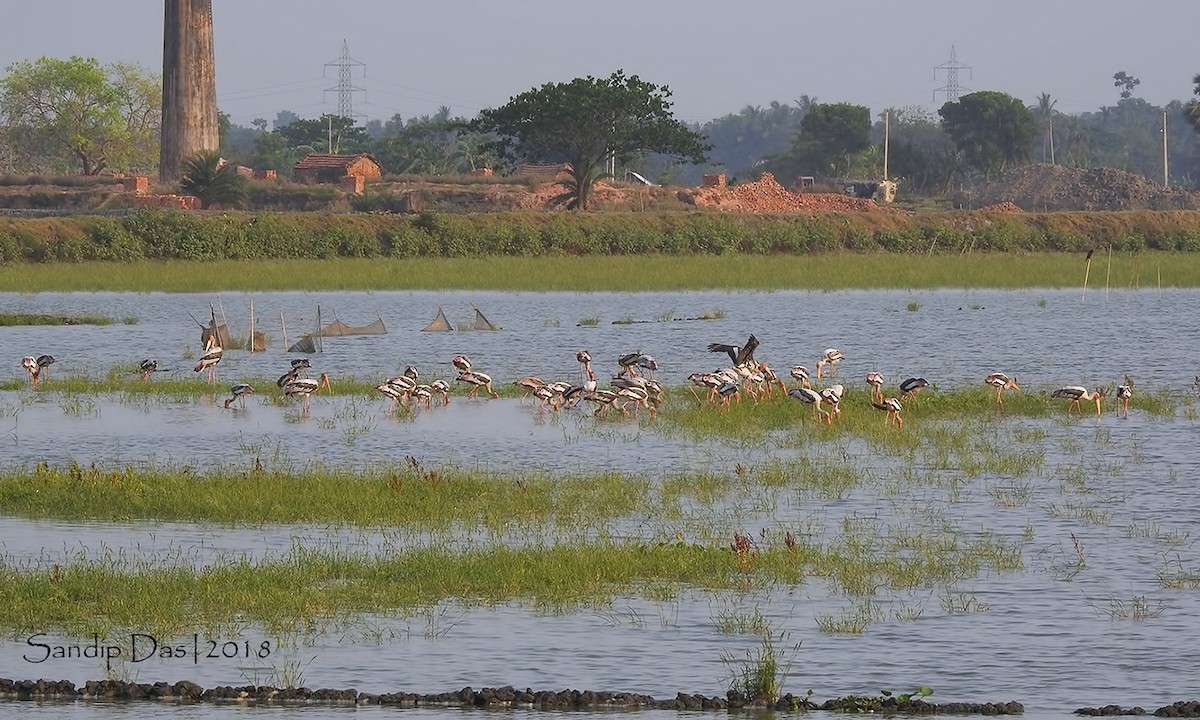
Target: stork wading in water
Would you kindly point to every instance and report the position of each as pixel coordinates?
(477, 380)
(912, 386)
(461, 363)
(891, 407)
(44, 362)
(586, 376)
(830, 358)
(629, 363)
(239, 393)
(1078, 393)
(1124, 392)
(739, 355)
(398, 392)
(29, 362)
(305, 387)
(530, 385)
(875, 380)
(441, 389)
(208, 361)
(1001, 382)
(148, 367)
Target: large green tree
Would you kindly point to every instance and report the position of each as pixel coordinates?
(585, 122)
(831, 134)
(993, 130)
(83, 115)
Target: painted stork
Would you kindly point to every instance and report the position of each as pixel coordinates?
(809, 396)
(584, 358)
(44, 362)
(772, 379)
(396, 391)
(410, 371)
(422, 394)
(1077, 393)
(629, 363)
(529, 384)
(729, 391)
(832, 396)
(647, 363)
(305, 387)
(148, 367)
(1124, 392)
(603, 399)
(891, 407)
(912, 386)
(831, 357)
(709, 381)
(477, 380)
(239, 393)
(875, 380)
(737, 355)
(208, 361)
(800, 374)
(461, 363)
(301, 366)
(29, 362)
(442, 388)
(1001, 382)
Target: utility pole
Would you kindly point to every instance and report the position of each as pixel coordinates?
(189, 97)
(951, 68)
(1166, 180)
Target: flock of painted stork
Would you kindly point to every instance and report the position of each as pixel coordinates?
(634, 385)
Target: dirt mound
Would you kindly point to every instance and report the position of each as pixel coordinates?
(1045, 187)
(766, 195)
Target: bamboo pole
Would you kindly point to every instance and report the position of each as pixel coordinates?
(283, 329)
(1086, 272)
(1108, 274)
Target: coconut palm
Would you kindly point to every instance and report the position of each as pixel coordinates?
(216, 182)
(1045, 112)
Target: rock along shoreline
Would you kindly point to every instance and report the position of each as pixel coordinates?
(558, 700)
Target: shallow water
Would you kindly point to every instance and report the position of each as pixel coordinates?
(1051, 638)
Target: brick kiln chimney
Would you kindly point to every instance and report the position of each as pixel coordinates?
(189, 101)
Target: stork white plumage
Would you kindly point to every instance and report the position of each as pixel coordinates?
(1078, 393)
(830, 358)
(209, 360)
(809, 396)
(912, 386)
(891, 408)
(1001, 382)
(800, 374)
(875, 380)
(1124, 392)
(239, 393)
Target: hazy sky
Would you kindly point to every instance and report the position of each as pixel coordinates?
(717, 57)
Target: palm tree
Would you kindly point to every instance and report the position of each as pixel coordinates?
(1045, 112)
(216, 182)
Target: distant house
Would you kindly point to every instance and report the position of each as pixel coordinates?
(326, 168)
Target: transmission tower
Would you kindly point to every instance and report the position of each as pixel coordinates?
(345, 88)
(951, 68)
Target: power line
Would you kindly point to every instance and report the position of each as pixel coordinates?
(345, 87)
(951, 68)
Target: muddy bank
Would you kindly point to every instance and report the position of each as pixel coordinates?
(189, 692)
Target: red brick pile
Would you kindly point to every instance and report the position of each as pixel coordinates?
(766, 195)
(1001, 207)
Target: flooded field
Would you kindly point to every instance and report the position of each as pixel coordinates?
(1088, 576)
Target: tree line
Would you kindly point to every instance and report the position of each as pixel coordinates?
(77, 116)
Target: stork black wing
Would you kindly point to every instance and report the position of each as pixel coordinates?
(746, 354)
(732, 350)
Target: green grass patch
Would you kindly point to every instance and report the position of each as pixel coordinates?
(15, 319)
(590, 273)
